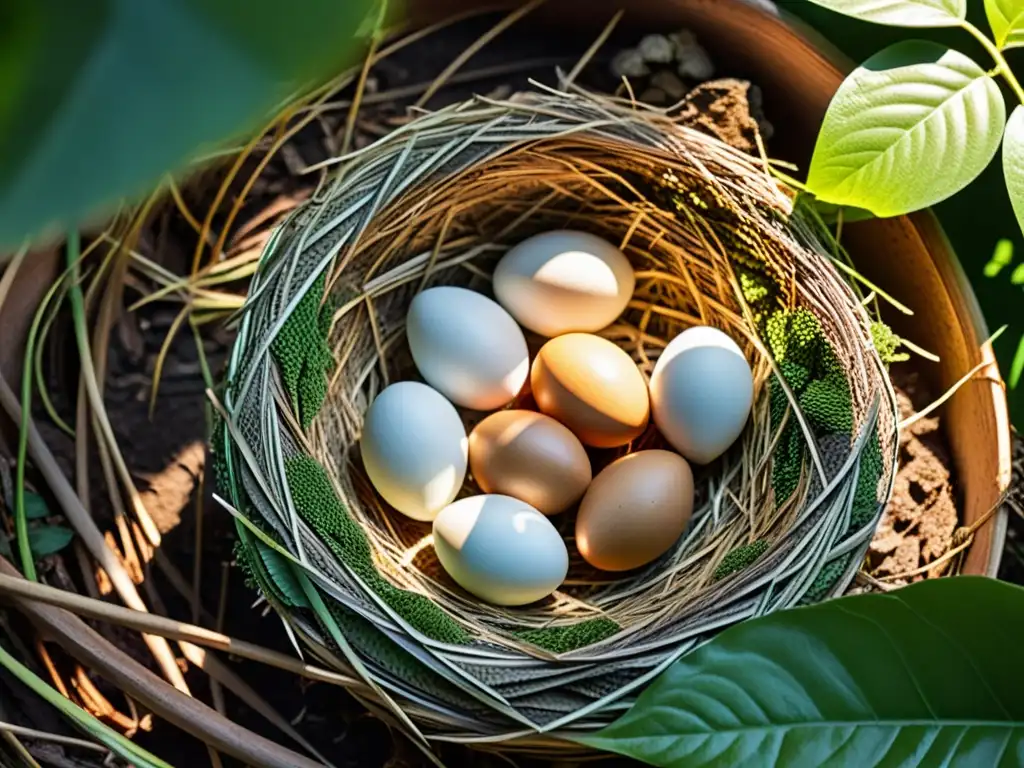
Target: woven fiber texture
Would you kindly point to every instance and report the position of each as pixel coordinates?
(783, 518)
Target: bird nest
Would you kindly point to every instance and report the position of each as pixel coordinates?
(783, 518)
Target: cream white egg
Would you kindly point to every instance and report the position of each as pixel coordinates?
(414, 448)
(467, 347)
(564, 281)
(701, 392)
(500, 549)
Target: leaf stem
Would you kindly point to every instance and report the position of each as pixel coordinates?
(1001, 65)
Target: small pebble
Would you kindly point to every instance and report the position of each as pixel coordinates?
(668, 81)
(629, 63)
(693, 61)
(654, 96)
(657, 49)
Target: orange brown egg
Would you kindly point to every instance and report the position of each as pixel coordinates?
(593, 387)
(530, 457)
(635, 510)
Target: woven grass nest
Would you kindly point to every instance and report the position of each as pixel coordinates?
(783, 518)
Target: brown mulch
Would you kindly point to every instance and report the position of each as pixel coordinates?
(918, 525)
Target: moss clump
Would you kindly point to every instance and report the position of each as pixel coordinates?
(826, 404)
(320, 507)
(570, 638)
(796, 337)
(808, 364)
(302, 354)
(826, 579)
(887, 343)
(865, 495)
(739, 558)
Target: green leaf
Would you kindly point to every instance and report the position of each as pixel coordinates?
(910, 127)
(281, 574)
(1017, 367)
(35, 506)
(1013, 161)
(1006, 17)
(48, 540)
(902, 13)
(1002, 256)
(99, 98)
(919, 676)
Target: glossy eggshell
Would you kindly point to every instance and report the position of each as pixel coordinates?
(635, 510)
(563, 281)
(592, 387)
(500, 549)
(414, 449)
(467, 347)
(531, 457)
(701, 392)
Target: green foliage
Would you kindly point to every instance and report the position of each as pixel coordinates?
(913, 677)
(49, 539)
(302, 354)
(1006, 17)
(321, 509)
(1013, 162)
(570, 638)
(35, 506)
(739, 558)
(99, 98)
(902, 13)
(913, 125)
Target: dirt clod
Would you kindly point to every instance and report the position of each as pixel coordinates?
(917, 527)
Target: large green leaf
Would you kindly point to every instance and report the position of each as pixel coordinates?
(99, 97)
(902, 13)
(910, 127)
(1013, 161)
(49, 539)
(1006, 17)
(928, 675)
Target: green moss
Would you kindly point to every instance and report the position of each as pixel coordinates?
(826, 579)
(865, 496)
(740, 558)
(797, 337)
(887, 343)
(302, 354)
(570, 638)
(826, 405)
(320, 507)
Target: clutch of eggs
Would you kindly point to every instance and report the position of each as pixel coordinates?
(470, 350)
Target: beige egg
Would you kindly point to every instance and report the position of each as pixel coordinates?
(530, 457)
(593, 387)
(564, 281)
(635, 510)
